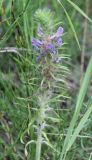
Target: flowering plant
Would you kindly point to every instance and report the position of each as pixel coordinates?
(51, 71)
(46, 47)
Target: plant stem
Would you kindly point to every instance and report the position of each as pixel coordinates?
(41, 118)
(38, 144)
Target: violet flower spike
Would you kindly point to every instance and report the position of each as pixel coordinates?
(47, 45)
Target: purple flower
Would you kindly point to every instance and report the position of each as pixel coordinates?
(59, 42)
(47, 44)
(51, 48)
(59, 32)
(36, 42)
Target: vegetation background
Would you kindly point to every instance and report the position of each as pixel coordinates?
(18, 69)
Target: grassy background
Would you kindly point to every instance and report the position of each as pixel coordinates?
(17, 26)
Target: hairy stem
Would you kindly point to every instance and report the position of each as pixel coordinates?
(40, 128)
(38, 144)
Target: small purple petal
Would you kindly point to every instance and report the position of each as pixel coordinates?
(39, 32)
(51, 48)
(48, 46)
(59, 32)
(59, 42)
(36, 42)
(56, 60)
(38, 58)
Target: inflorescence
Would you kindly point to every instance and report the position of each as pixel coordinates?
(47, 45)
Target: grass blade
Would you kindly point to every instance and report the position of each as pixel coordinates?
(80, 126)
(79, 104)
(71, 24)
(79, 10)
